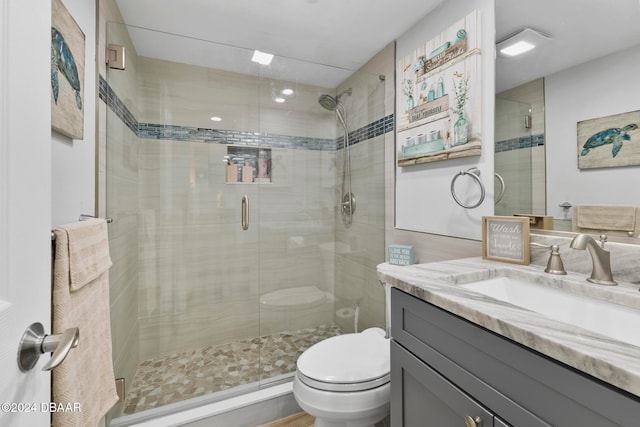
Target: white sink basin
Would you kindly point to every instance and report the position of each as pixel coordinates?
(612, 320)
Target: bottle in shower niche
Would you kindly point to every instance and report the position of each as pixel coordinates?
(263, 166)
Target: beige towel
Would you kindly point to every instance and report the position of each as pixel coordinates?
(604, 218)
(81, 298)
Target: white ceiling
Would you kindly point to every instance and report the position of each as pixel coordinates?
(581, 30)
(344, 35)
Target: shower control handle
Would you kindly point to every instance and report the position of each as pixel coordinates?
(244, 221)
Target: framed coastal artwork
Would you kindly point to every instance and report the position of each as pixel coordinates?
(67, 73)
(609, 141)
(438, 96)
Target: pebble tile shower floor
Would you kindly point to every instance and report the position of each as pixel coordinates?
(205, 370)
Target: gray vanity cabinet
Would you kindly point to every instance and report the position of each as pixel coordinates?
(447, 371)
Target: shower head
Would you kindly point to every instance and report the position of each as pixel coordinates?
(329, 102)
(333, 104)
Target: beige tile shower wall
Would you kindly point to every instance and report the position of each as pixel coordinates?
(187, 95)
(296, 223)
(538, 181)
(201, 275)
(515, 168)
(531, 93)
(198, 282)
(530, 186)
(361, 245)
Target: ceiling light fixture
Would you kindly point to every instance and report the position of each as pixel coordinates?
(216, 119)
(262, 58)
(287, 92)
(521, 42)
(279, 100)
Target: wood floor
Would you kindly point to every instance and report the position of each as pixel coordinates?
(301, 419)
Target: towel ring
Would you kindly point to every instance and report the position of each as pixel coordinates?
(475, 174)
(501, 188)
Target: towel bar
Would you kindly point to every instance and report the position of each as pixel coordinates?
(82, 218)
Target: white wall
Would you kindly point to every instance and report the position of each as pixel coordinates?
(73, 161)
(423, 196)
(598, 88)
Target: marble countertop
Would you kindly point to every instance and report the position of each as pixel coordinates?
(608, 359)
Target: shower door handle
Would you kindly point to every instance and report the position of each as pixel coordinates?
(245, 213)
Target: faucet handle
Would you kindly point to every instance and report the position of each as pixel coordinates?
(555, 265)
(603, 240)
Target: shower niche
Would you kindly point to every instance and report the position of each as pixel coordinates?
(248, 165)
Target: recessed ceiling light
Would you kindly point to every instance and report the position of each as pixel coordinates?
(517, 48)
(216, 119)
(287, 92)
(262, 58)
(279, 100)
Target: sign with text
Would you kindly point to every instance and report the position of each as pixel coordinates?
(505, 238)
(400, 254)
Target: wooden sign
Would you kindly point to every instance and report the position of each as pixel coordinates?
(429, 109)
(446, 56)
(505, 238)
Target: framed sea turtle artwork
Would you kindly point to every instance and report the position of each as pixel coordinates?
(610, 141)
(67, 73)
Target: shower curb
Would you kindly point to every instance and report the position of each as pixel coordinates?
(257, 407)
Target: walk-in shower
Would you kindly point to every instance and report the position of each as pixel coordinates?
(348, 199)
(200, 305)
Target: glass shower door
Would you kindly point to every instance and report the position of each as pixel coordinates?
(185, 281)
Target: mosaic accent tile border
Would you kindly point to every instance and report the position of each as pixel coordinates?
(519, 143)
(108, 95)
(372, 130)
(177, 377)
(220, 136)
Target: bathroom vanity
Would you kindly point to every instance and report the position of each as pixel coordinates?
(459, 357)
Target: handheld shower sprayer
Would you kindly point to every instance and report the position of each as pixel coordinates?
(348, 200)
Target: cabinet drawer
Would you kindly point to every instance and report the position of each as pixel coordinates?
(523, 387)
(422, 397)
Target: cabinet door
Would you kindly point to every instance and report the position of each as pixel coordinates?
(422, 397)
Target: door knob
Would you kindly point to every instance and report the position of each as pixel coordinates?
(472, 422)
(35, 342)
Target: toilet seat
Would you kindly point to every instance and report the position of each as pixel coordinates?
(349, 362)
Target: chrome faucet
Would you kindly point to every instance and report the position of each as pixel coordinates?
(601, 258)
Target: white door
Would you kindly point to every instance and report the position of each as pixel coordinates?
(25, 203)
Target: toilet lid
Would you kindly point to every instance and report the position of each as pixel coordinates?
(347, 359)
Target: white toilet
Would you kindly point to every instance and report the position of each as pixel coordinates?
(343, 381)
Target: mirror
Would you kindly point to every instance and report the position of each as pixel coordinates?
(583, 69)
